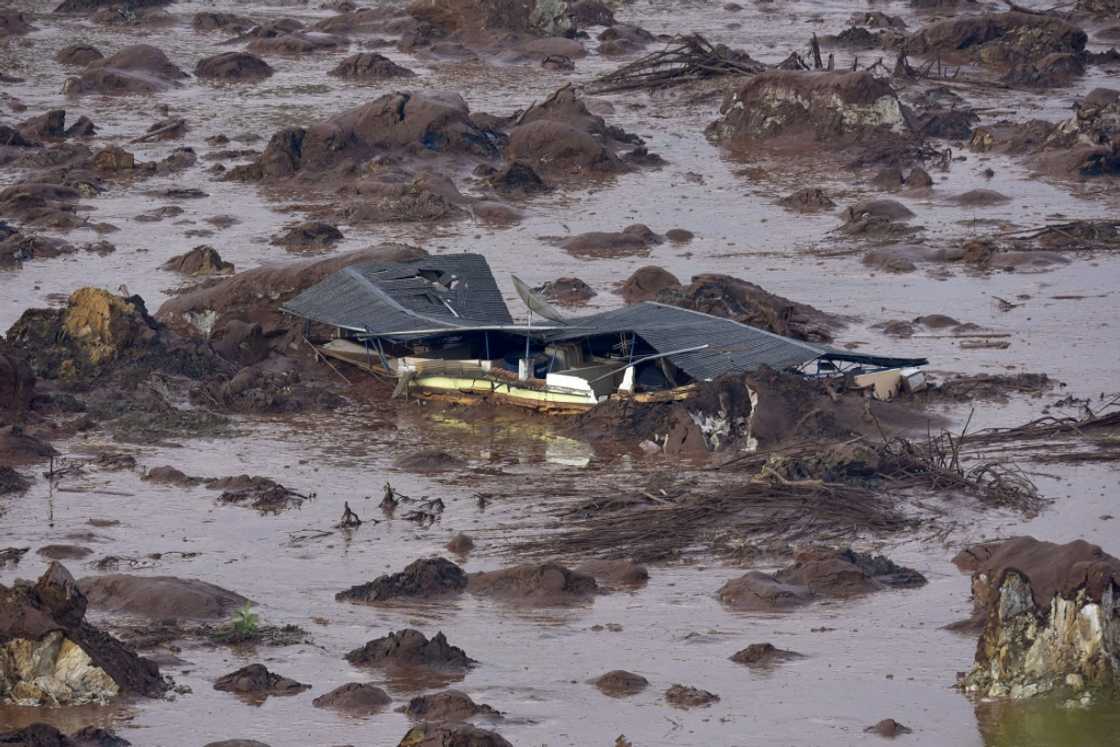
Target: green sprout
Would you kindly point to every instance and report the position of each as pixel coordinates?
(246, 623)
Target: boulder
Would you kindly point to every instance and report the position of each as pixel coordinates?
(566, 291)
(1049, 617)
(138, 69)
(997, 39)
(807, 200)
(17, 384)
(682, 696)
(309, 236)
(451, 734)
(45, 735)
(202, 260)
(49, 654)
(761, 592)
(620, 683)
(423, 579)
(14, 23)
(763, 655)
(298, 43)
(632, 240)
(89, 6)
(840, 573)
(615, 573)
(647, 283)
(233, 66)
(206, 21)
(544, 17)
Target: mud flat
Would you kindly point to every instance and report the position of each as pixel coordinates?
(230, 509)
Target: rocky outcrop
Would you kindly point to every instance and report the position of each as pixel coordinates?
(424, 579)
(49, 655)
(1051, 617)
(138, 69)
(1001, 40)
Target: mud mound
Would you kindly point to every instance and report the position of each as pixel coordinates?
(430, 461)
(424, 578)
(747, 303)
(138, 69)
(682, 696)
(79, 55)
(620, 683)
(369, 66)
(396, 123)
(228, 22)
(632, 240)
(254, 296)
(160, 597)
(545, 17)
(647, 283)
(255, 679)
(449, 705)
(309, 236)
(355, 699)
(544, 584)
(617, 573)
(202, 260)
(52, 656)
(835, 109)
(763, 655)
(997, 39)
(233, 66)
(566, 291)
(807, 200)
(839, 573)
(761, 592)
(298, 43)
(411, 648)
(451, 734)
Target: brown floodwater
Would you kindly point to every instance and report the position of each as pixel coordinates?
(885, 655)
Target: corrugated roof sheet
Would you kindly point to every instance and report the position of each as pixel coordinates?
(451, 292)
(732, 347)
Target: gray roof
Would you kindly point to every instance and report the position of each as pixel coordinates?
(457, 293)
(731, 346)
(451, 292)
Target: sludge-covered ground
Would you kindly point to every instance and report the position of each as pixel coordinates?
(878, 656)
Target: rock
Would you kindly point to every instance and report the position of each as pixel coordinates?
(11, 482)
(45, 735)
(160, 597)
(313, 235)
(679, 235)
(763, 655)
(424, 578)
(48, 126)
(981, 198)
(261, 493)
(617, 573)
(888, 728)
(19, 447)
(632, 240)
(620, 683)
(202, 260)
(889, 179)
(1047, 618)
(369, 66)
(88, 6)
(761, 592)
(809, 199)
(681, 696)
(17, 384)
(449, 705)
(451, 735)
(517, 179)
(837, 110)
(64, 552)
(355, 699)
(137, 69)
(586, 13)
(410, 648)
(566, 291)
(78, 55)
(168, 475)
(919, 179)
(543, 584)
(647, 283)
(255, 679)
(114, 159)
(622, 39)
(50, 655)
(233, 66)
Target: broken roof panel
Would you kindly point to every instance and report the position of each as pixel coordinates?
(452, 292)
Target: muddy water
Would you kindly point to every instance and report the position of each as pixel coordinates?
(886, 655)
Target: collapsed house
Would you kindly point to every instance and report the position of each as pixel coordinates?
(442, 329)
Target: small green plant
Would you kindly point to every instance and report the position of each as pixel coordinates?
(246, 623)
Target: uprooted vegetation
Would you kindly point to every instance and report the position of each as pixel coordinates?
(803, 488)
